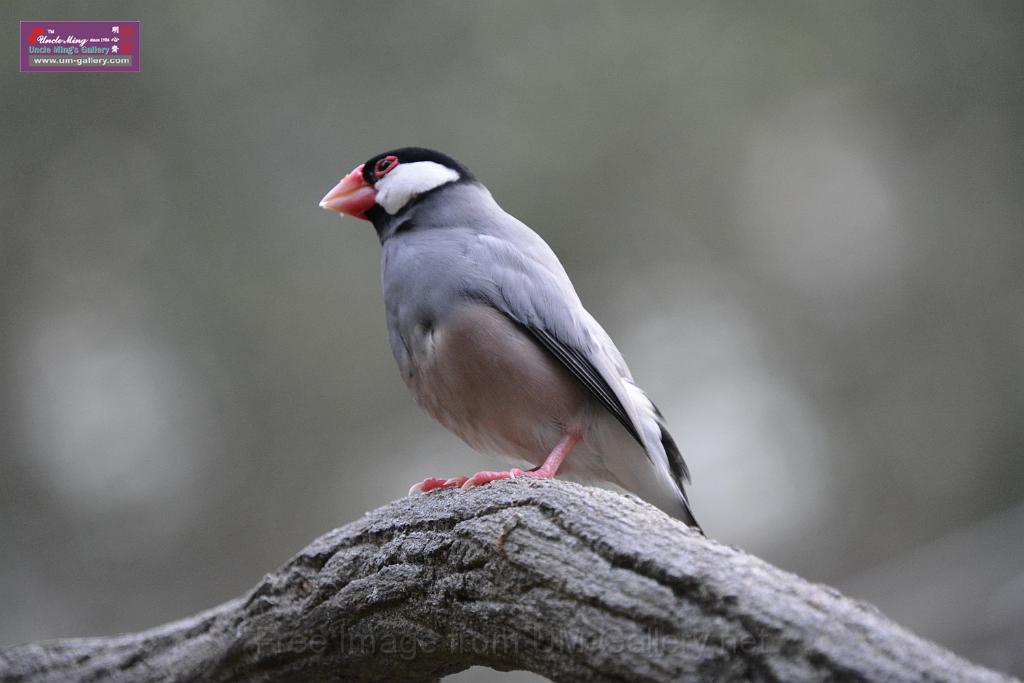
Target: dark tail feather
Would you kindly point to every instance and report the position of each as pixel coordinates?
(675, 459)
(680, 472)
(689, 519)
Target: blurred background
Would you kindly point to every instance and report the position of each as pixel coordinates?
(801, 222)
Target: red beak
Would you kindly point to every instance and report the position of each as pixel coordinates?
(351, 196)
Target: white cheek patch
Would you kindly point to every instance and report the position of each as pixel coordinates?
(408, 180)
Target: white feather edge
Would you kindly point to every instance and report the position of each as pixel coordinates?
(406, 181)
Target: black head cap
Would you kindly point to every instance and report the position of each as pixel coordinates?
(407, 155)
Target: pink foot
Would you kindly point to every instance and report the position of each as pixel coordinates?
(487, 476)
(431, 483)
(545, 471)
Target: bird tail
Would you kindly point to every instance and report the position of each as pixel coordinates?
(689, 519)
(662, 482)
(680, 473)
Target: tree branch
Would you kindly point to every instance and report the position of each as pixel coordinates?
(569, 582)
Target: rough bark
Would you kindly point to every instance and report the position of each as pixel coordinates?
(569, 582)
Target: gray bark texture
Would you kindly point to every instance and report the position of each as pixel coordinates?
(570, 582)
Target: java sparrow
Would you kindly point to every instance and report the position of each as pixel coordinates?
(492, 339)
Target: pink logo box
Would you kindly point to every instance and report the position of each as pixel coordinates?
(80, 46)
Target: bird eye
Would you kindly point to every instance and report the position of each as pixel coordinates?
(384, 166)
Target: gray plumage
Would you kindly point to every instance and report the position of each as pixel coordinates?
(494, 343)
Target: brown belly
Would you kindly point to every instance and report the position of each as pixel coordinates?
(489, 382)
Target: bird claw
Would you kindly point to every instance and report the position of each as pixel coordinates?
(465, 483)
(432, 483)
(481, 478)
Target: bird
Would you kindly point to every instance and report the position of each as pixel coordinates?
(493, 341)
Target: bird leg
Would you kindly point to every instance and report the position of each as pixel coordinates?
(545, 471)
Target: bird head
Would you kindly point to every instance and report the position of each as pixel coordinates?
(393, 181)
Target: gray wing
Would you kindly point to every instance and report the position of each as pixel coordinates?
(583, 370)
(529, 285)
